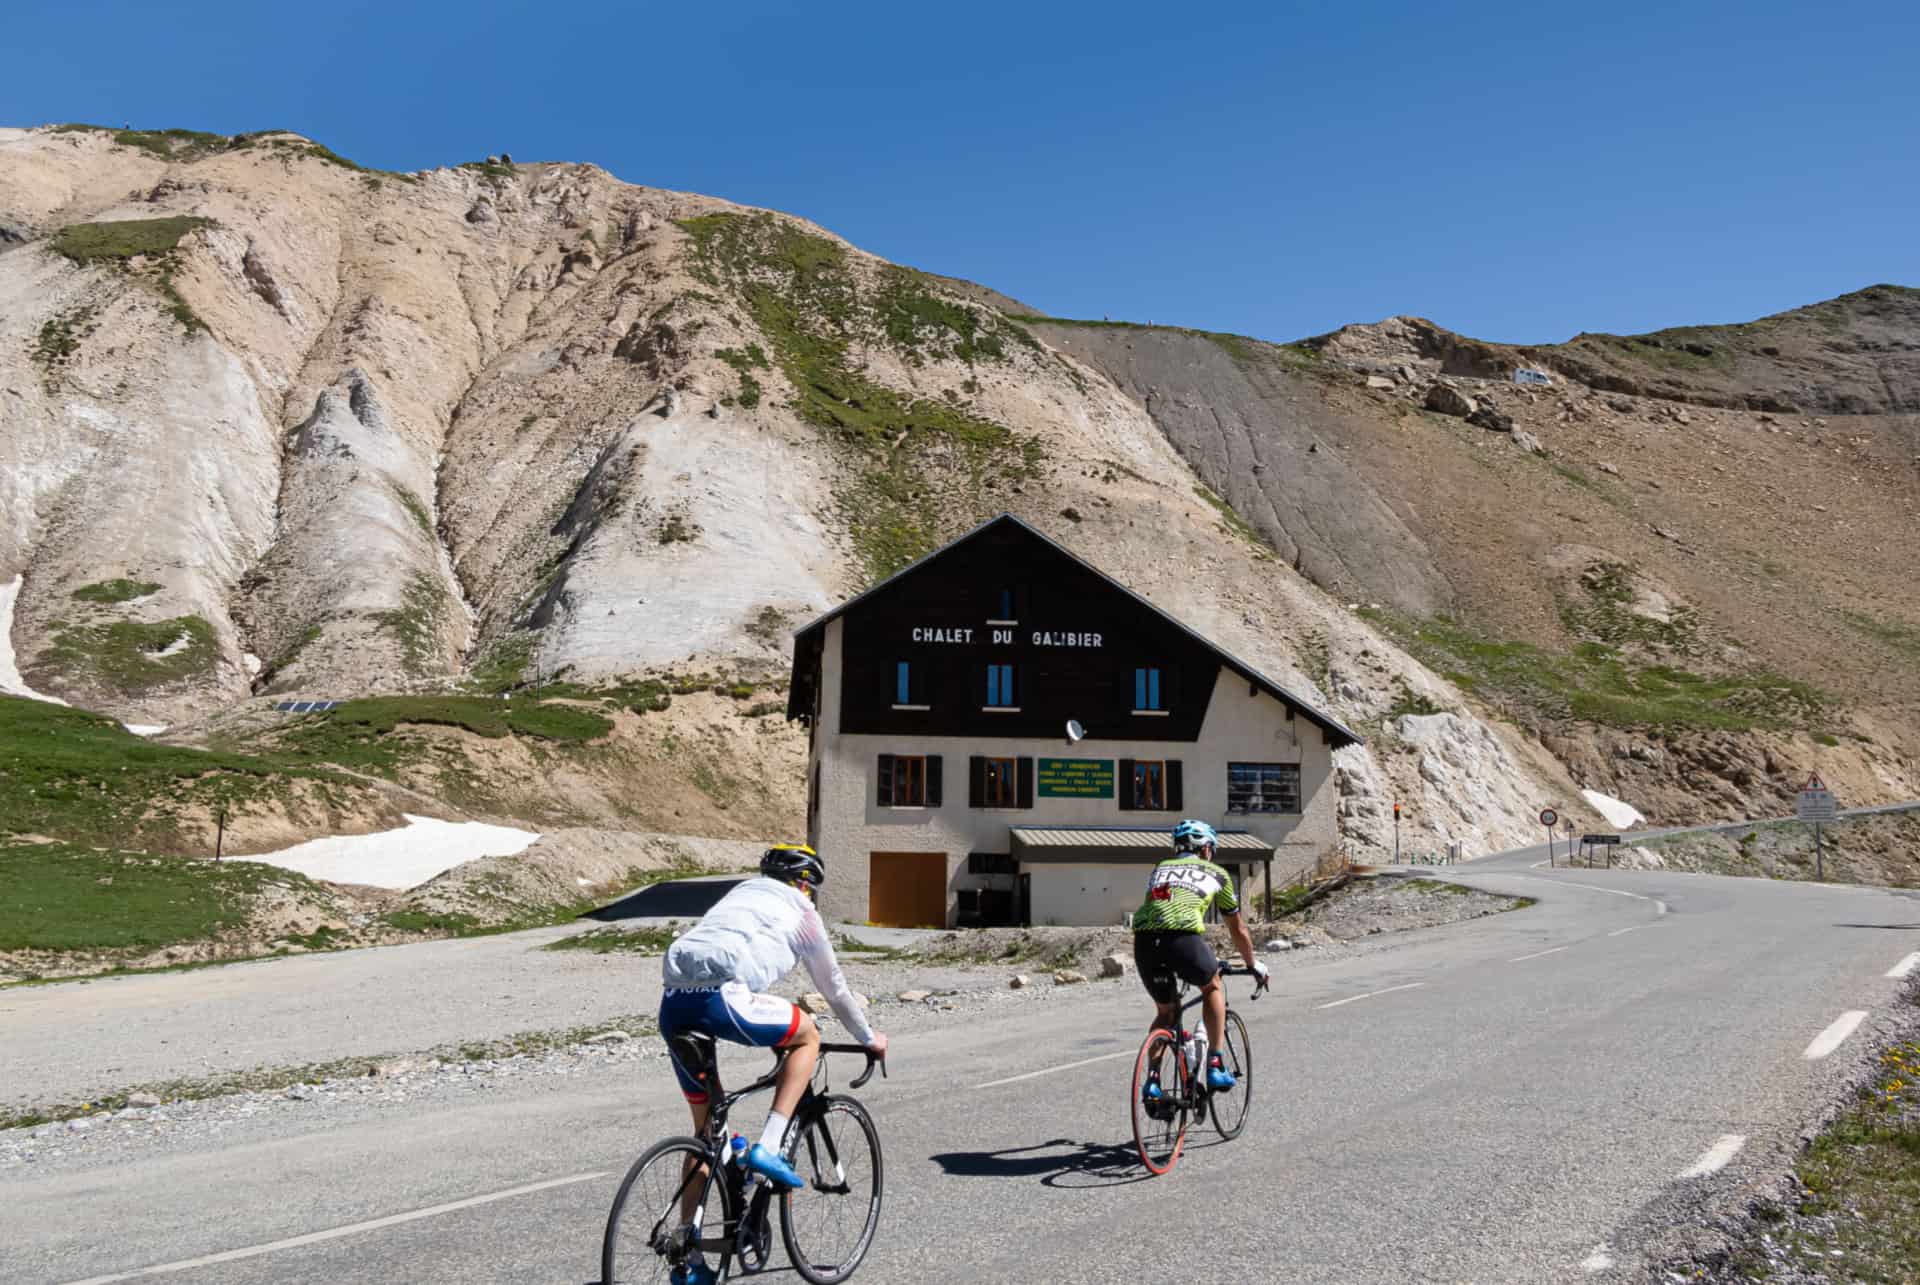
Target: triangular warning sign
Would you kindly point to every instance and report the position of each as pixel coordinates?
(1814, 782)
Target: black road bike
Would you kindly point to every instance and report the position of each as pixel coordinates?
(1160, 1123)
(684, 1203)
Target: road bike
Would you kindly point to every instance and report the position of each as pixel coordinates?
(683, 1202)
(1160, 1124)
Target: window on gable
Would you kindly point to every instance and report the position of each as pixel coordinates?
(1263, 787)
(1147, 694)
(1000, 691)
(909, 686)
(1005, 606)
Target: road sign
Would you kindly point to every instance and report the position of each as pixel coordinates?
(1816, 801)
(1599, 838)
(1549, 818)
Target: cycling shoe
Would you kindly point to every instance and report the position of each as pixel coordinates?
(771, 1166)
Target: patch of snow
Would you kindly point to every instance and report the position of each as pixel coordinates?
(174, 648)
(10, 681)
(251, 663)
(145, 729)
(1621, 816)
(400, 858)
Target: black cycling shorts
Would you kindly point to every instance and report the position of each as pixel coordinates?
(1166, 959)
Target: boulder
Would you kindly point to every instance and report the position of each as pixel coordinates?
(1277, 944)
(142, 1100)
(914, 997)
(1406, 374)
(481, 212)
(1068, 977)
(1018, 982)
(393, 1068)
(1448, 400)
(1492, 420)
(1609, 469)
(1624, 405)
(814, 1002)
(1114, 966)
(1529, 443)
(1379, 381)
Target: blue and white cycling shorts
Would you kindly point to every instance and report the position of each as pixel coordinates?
(726, 1012)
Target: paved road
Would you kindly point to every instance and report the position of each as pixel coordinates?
(1512, 1099)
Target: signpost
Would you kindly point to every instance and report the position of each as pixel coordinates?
(1074, 778)
(1818, 806)
(1396, 834)
(1549, 818)
(1607, 841)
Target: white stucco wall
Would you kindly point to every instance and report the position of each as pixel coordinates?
(848, 823)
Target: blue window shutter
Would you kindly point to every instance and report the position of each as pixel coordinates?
(1153, 689)
(1139, 689)
(900, 696)
(993, 684)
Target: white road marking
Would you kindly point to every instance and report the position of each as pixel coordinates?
(1622, 931)
(1836, 1035)
(1717, 1156)
(334, 1233)
(1065, 1066)
(1598, 1261)
(1905, 966)
(1538, 954)
(1355, 999)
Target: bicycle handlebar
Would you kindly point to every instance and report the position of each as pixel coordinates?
(872, 1061)
(1260, 984)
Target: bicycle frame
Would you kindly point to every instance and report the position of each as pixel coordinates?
(750, 1215)
(1198, 1090)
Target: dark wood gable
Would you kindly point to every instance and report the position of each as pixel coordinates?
(1004, 634)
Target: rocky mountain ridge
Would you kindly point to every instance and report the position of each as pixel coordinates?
(279, 426)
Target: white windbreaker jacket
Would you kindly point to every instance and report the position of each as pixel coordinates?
(754, 936)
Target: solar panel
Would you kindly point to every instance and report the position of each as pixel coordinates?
(304, 707)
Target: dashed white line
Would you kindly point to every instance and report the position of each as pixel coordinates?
(1717, 1156)
(1905, 966)
(1067, 1066)
(1621, 932)
(1834, 1036)
(1538, 954)
(334, 1233)
(1355, 999)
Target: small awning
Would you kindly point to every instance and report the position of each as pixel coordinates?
(1120, 845)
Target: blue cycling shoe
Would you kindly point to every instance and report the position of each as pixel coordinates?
(771, 1166)
(1151, 1092)
(1219, 1078)
(697, 1273)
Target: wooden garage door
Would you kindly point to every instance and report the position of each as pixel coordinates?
(908, 889)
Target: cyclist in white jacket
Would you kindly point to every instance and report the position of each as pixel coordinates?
(716, 976)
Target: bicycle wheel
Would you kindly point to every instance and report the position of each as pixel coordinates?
(1160, 1128)
(1230, 1108)
(828, 1224)
(662, 1219)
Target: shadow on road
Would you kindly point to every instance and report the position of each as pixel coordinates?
(1080, 1165)
(678, 899)
(1910, 928)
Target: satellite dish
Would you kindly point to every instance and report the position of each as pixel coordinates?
(1075, 732)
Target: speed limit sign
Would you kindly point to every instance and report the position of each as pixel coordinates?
(1549, 818)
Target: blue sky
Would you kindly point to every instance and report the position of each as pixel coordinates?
(1276, 173)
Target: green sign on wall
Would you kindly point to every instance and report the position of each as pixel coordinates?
(1075, 778)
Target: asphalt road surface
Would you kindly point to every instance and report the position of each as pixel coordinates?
(1527, 1097)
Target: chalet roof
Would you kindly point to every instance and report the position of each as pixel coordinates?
(1337, 733)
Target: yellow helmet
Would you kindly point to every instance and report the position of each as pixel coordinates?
(794, 863)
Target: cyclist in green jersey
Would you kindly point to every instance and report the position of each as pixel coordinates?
(1170, 940)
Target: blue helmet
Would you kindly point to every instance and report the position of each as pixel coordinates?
(1191, 836)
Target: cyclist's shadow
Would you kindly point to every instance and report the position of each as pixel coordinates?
(1078, 1165)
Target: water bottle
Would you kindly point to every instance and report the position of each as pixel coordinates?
(737, 1149)
(1190, 1049)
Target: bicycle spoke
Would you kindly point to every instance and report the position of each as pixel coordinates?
(829, 1222)
(668, 1213)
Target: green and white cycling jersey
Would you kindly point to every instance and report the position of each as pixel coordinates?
(1179, 893)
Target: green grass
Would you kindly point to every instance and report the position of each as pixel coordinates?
(1407, 701)
(130, 656)
(803, 297)
(61, 897)
(1605, 615)
(417, 623)
(1896, 634)
(119, 243)
(417, 510)
(71, 775)
(59, 338)
(369, 734)
(1597, 683)
(504, 664)
(1861, 1185)
(112, 591)
(605, 941)
(1232, 523)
